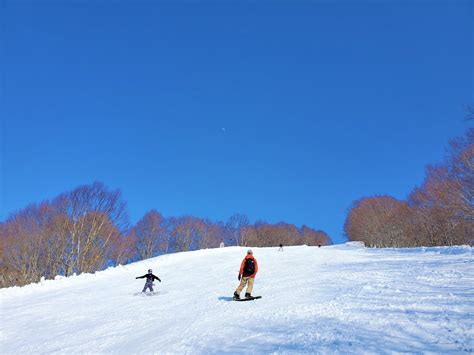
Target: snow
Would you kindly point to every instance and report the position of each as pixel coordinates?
(338, 299)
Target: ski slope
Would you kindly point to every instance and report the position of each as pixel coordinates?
(337, 299)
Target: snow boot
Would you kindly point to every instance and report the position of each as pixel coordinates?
(236, 296)
(247, 295)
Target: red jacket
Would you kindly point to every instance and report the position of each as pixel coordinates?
(242, 265)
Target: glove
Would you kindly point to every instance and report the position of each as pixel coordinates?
(136, 278)
(239, 277)
(159, 280)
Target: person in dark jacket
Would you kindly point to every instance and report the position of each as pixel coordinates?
(247, 272)
(149, 280)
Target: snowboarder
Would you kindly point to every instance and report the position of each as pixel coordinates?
(281, 247)
(149, 280)
(247, 272)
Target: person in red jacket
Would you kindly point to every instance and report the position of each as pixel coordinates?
(247, 272)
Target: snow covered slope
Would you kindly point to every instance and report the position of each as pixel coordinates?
(339, 299)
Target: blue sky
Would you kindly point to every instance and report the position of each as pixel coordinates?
(322, 102)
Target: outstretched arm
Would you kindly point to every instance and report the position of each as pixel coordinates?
(156, 277)
(141, 277)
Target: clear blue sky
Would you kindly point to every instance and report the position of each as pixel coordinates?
(322, 102)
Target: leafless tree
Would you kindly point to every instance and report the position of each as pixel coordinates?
(150, 235)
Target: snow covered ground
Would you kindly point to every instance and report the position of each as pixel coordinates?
(338, 299)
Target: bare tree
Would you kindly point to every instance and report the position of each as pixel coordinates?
(234, 226)
(378, 221)
(185, 232)
(439, 212)
(95, 215)
(150, 235)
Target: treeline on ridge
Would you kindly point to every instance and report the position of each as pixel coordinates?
(439, 212)
(87, 229)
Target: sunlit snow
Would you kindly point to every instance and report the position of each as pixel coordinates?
(338, 299)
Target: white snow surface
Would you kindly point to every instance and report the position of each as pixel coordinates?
(337, 299)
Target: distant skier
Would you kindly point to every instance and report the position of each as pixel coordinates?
(281, 247)
(149, 280)
(247, 272)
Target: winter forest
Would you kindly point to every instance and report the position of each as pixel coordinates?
(439, 212)
(87, 229)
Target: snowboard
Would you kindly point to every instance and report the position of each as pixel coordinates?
(149, 294)
(247, 298)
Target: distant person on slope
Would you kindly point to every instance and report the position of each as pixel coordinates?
(149, 280)
(247, 272)
(281, 247)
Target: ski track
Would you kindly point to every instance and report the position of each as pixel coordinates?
(338, 299)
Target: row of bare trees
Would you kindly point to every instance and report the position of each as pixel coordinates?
(267, 235)
(154, 234)
(439, 212)
(87, 229)
(78, 231)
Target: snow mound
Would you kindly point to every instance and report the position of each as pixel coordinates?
(337, 299)
(355, 245)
